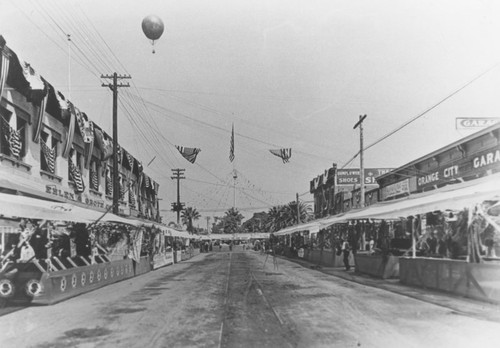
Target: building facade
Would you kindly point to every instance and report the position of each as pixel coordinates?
(52, 150)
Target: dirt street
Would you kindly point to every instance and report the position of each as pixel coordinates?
(243, 299)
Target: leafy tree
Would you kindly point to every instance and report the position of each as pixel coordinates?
(189, 215)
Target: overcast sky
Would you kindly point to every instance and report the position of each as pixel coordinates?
(288, 74)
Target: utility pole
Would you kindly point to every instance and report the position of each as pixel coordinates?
(178, 206)
(208, 229)
(298, 209)
(114, 87)
(361, 167)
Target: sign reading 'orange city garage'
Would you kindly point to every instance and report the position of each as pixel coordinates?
(477, 164)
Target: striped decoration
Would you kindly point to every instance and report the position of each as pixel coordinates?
(13, 138)
(131, 196)
(122, 189)
(109, 184)
(188, 153)
(76, 176)
(94, 180)
(50, 157)
(284, 154)
(15, 143)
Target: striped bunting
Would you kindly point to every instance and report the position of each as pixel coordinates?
(76, 176)
(94, 179)
(284, 154)
(50, 157)
(109, 184)
(131, 196)
(13, 138)
(188, 153)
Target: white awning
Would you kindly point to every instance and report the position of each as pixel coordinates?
(32, 208)
(451, 197)
(312, 227)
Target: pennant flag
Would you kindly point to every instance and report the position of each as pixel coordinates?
(284, 154)
(188, 153)
(50, 157)
(76, 176)
(231, 149)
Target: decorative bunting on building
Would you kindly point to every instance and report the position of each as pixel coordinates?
(123, 189)
(89, 146)
(109, 183)
(105, 143)
(94, 177)
(71, 131)
(284, 154)
(50, 156)
(131, 195)
(188, 153)
(63, 105)
(231, 145)
(130, 159)
(34, 80)
(147, 181)
(76, 176)
(13, 138)
(4, 70)
(39, 122)
(119, 153)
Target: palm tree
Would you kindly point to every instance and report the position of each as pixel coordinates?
(232, 220)
(286, 215)
(188, 215)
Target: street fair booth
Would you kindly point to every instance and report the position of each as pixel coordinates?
(312, 242)
(454, 235)
(52, 251)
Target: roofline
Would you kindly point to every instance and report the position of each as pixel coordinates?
(445, 148)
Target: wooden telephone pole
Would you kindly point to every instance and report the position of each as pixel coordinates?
(178, 206)
(361, 167)
(114, 87)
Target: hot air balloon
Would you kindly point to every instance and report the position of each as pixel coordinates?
(152, 26)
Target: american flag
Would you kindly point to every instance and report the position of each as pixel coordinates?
(76, 176)
(13, 138)
(50, 157)
(231, 149)
(131, 196)
(122, 189)
(284, 154)
(109, 184)
(130, 160)
(94, 179)
(188, 153)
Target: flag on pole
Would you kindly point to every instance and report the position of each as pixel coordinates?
(284, 154)
(231, 149)
(188, 153)
(50, 157)
(12, 137)
(76, 176)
